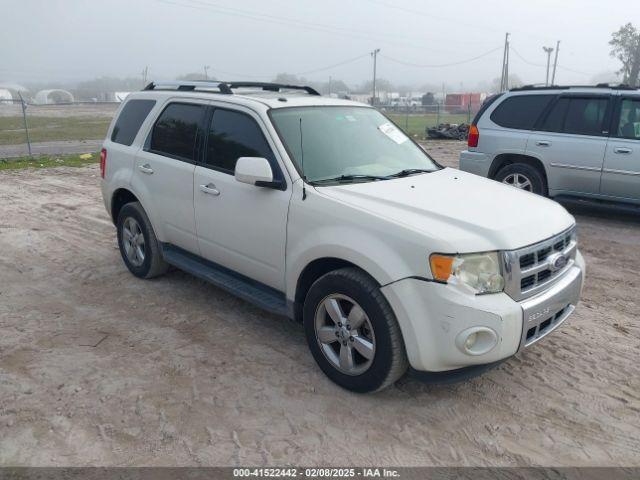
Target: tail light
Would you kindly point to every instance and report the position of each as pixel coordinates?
(474, 136)
(103, 162)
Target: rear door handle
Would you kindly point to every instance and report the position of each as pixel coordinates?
(543, 143)
(210, 189)
(623, 150)
(146, 168)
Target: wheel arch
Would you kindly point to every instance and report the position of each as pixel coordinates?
(312, 272)
(504, 159)
(119, 199)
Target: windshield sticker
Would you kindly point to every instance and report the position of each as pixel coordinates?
(391, 131)
(351, 118)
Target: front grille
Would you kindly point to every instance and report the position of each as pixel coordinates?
(528, 270)
(546, 325)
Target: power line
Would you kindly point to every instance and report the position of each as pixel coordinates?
(280, 20)
(561, 67)
(447, 19)
(452, 64)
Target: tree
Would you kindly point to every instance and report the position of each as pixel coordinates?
(625, 46)
(514, 82)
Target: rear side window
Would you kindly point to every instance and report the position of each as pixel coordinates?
(585, 116)
(130, 119)
(555, 119)
(233, 135)
(580, 116)
(175, 131)
(629, 119)
(521, 111)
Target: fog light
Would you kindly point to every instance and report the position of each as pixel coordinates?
(470, 341)
(476, 340)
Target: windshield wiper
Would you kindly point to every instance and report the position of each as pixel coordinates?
(346, 178)
(409, 171)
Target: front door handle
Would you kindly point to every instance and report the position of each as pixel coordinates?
(146, 168)
(210, 189)
(623, 150)
(543, 143)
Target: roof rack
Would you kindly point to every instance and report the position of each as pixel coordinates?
(224, 87)
(620, 86)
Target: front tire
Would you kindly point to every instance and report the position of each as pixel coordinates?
(138, 244)
(524, 177)
(352, 331)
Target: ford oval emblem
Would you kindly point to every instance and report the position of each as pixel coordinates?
(557, 262)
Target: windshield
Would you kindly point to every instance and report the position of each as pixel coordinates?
(347, 144)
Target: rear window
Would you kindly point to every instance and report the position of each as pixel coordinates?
(175, 131)
(130, 119)
(520, 112)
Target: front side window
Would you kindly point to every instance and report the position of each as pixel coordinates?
(629, 120)
(233, 135)
(175, 131)
(331, 142)
(520, 111)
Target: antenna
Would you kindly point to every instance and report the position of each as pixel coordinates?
(304, 177)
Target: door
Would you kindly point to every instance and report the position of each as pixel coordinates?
(240, 226)
(621, 172)
(164, 173)
(571, 141)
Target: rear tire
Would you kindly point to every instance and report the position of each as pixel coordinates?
(524, 177)
(352, 331)
(138, 244)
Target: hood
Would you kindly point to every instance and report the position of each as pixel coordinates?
(466, 212)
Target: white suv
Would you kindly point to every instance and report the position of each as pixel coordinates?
(322, 210)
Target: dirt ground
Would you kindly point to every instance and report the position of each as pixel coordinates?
(100, 368)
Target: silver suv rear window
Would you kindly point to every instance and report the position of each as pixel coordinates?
(131, 117)
(521, 111)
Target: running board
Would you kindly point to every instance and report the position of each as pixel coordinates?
(243, 287)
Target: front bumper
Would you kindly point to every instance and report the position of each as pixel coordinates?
(434, 317)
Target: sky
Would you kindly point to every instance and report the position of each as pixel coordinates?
(459, 43)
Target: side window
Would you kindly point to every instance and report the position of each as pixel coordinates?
(629, 120)
(233, 135)
(585, 116)
(175, 131)
(520, 111)
(131, 117)
(554, 121)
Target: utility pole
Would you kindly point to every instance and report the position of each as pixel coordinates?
(374, 54)
(145, 72)
(206, 76)
(548, 51)
(555, 64)
(504, 76)
(329, 85)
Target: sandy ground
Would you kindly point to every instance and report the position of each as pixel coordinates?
(98, 367)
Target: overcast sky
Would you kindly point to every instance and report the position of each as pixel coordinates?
(62, 40)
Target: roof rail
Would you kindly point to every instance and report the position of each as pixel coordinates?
(190, 85)
(620, 86)
(272, 87)
(224, 87)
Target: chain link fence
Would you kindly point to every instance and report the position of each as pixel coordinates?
(32, 129)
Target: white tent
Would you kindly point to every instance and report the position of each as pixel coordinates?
(45, 97)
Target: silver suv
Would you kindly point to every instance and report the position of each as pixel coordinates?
(560, 142)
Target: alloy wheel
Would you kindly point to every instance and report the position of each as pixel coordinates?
(345, 334)
(133, 241)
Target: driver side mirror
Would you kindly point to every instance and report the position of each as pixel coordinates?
(257, 171)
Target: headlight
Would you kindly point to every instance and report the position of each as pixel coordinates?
(480, 271)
